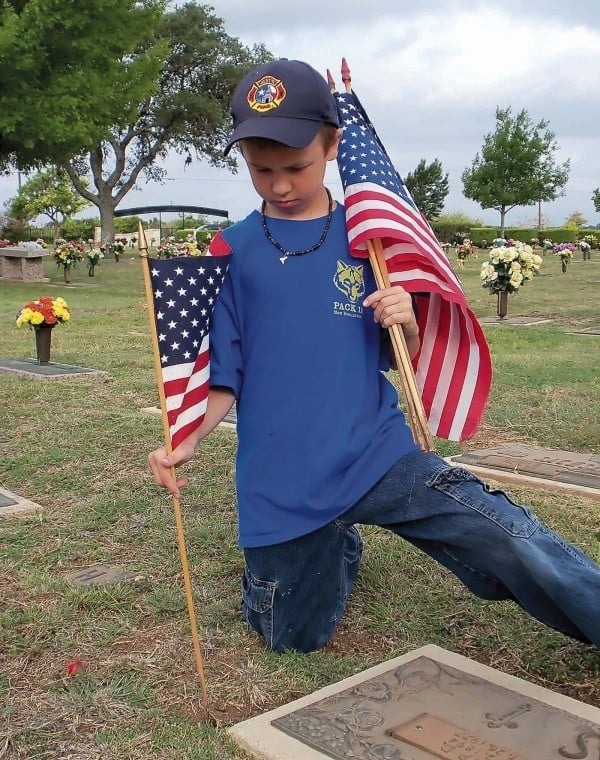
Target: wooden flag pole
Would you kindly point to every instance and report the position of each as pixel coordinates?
(417, 418)
(143, 248)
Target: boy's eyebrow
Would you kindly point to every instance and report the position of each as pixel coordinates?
(293, 165)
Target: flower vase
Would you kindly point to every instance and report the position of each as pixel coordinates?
(502, 308)
(563, 266)
(91, 270)
(67, 273)
(43, 340)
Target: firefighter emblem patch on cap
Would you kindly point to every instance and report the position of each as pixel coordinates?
(266, 94)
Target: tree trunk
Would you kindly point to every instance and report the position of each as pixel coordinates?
(502, 218)
(107, 220)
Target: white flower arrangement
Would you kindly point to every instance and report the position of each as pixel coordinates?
(30, 245)
(509, 267)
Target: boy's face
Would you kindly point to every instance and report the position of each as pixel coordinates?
(290, 180)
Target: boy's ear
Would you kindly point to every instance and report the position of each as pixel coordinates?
(333, 148)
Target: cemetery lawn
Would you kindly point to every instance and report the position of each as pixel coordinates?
(78, 448)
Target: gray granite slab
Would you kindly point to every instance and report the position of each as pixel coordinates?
(31, 368)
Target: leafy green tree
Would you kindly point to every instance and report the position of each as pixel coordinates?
(596, 198)
(76, 229)
(429, 187)
(455, 227)
(48, 193)
(68, 73)
(13, 230)
(188, 111)
(575, 220)
(516, 166)
(126, 224)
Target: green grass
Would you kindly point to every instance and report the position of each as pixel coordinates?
(78, 447)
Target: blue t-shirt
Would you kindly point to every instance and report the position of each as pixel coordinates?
(318, 423)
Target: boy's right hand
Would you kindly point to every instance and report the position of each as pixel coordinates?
(161, 465)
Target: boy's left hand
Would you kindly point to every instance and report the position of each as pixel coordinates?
(394, 306)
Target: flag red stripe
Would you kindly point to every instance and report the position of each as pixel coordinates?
(371, 202)
(452, 367)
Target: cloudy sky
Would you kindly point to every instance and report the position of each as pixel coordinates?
(430, 75)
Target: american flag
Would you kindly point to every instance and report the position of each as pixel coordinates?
(184, 292)
(453, 367)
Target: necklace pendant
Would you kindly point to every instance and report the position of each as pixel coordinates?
(283, 259)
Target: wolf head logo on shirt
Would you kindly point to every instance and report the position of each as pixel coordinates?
(350, 280)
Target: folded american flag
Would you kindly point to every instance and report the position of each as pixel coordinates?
(453, 367)
(184, 292)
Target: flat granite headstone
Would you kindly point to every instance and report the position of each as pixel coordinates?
(229, 421)
(31, 368)
(6, 501)
(429, 703)
(13, 505)
(536, 466)
(587, 331)
(100, 575)
(517, 321)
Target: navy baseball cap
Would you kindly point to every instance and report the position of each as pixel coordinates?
(283, 100)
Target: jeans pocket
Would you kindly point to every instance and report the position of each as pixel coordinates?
(257, 604)
(494, 504)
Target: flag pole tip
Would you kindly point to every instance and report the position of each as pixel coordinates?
(142, 243)
(330, 81)
(346, 78)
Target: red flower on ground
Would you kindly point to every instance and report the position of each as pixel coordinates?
(76, 666)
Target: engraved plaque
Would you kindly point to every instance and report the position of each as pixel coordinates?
(100, 575)
(537, 462)
(444, 740)
(456, 710)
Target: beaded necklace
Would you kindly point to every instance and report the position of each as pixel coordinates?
(281, 249)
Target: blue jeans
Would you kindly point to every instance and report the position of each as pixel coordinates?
(295, 593)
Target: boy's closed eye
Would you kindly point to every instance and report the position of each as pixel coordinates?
(290, 169)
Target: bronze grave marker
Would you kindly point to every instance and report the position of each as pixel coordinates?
(426, 704)
(525, 464)
(426, 709)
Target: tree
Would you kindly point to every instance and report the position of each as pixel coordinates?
(48, 193)
(79, 229)
(428, 187)
(516, 166)
(188, 111)
(575, 220)
(68, 74)
(455, 227)
(596, 198)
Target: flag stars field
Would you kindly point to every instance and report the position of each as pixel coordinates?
(184, 294)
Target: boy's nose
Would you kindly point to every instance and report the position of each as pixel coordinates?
(281, 187)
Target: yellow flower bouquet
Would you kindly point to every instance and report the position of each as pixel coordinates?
(45, 311)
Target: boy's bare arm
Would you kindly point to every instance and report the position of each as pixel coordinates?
(393, 306)
(220, 401)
